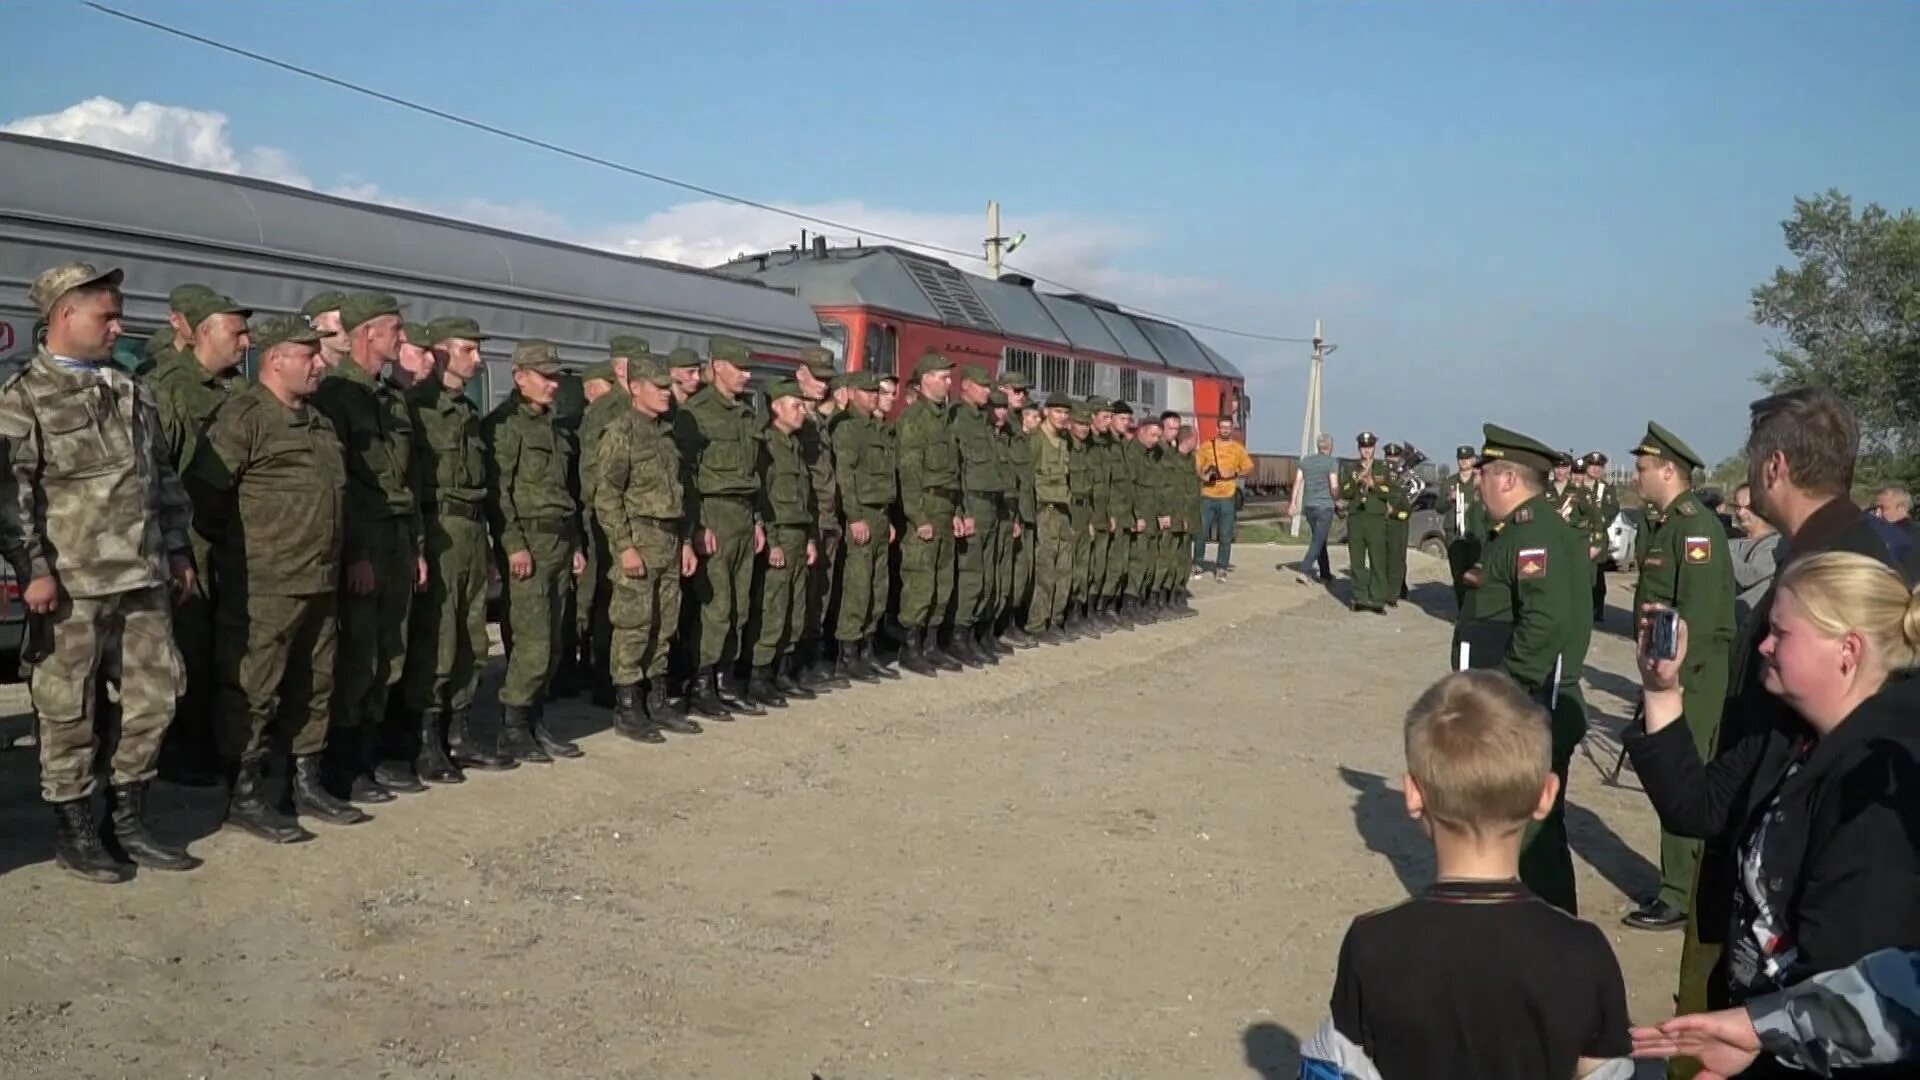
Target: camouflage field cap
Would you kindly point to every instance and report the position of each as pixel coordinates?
(159, 341)
(536, 355)
(782, 388)
(931, 361)
(1366, 438)
(1078, 412)
(818, 361)
(1463, 452)
(1057, 400)
(54, 283)
(648, 369)
(364, 307)
(996, 399)
(630, 346)
(731, 350)
(1503, 444)
(455, 326)
(602, 371)
(198, 303)
(683, 357)
(975, 374)
(866, 381)
(271, 330)
(1120, 408)
(321, 303)
(1015, 380)
(1661, 443)
(418, 335)
(844, 381)
(1594, 457)
(1097, 404)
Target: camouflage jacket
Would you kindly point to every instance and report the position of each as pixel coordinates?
(1867, 1014)
(786, 485)
(863, 456)
(607, 409)
(638, 465)
(187, 395)
(1016, 457)
(1052, 454)
(529, 460)
(449, 456)
(376, 438)
(928, 460)
(95, 502)
(268, 486)
(816, 447)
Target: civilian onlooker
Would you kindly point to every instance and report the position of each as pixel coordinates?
(1754, 551)
(1221, 462)
(1477, 976)
(1316, 485)
(1891, 516)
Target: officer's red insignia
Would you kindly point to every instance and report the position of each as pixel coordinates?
(1699, 550)
(1533, 562)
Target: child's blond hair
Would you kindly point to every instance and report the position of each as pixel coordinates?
(1480, 750)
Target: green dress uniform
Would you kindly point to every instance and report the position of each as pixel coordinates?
(447, 642)
(790, 516)
(1058, 532)
(865, 471)
(530, 458)
(1606, 503)
(1398, 526)
(930, 478)
(1463, 521)
(641, 506)
(1535, 568)
(383, 531)
(1370, 497)
(1688, 568)
(984, 488)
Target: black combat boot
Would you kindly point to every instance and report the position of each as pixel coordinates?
(129, 840)
(393, 762)
(516, 736)
(852, 667)
(1017, 636)
(77, 847)
(360, 750)
(958, 647)
(629, 721)
(984, 645)
(553, 744)
(735, 695)
(943, 656)
(788, 686)
(311, 797)
(469, 752)
(249, 811)
(761, 689)
(398, 777)
(668, 712)
(704, 696)
(870, 656)
(826, 674)
(433, 762)
(913, 655)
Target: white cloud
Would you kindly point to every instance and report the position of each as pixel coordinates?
(190, 137)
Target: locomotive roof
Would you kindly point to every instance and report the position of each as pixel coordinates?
(920, 287)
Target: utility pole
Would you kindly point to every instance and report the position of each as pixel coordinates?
(998, 246)
(1310, 423)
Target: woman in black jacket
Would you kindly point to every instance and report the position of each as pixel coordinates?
(1817, 807)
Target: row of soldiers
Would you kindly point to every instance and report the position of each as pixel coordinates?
(304, 559)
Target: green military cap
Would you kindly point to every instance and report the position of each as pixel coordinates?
(321, 303)
(364, 307)
(274, 330)
(1392, 449)
(780, 388)
(1014, 380)
(198, 303)
(1502, 444)
(158, 342)
(683, 357)
(931, 361)
(1595, 458)
(57, 282)
(534, 354)
(1119, 408)
(996, 399)
(1366, 438)
(630, 346)
(869, 380)
(455, 326)
(818, 361)
(419, 335)
(1465, 451)
(976, 374)
(1098, 404)
(647, 369)
(1662, 443)
(731, 350)
(1057, 400)
(602, 370)
(1078, 412)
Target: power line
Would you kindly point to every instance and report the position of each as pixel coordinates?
(606, 163)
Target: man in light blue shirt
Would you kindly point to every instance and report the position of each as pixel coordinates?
(1315, 485)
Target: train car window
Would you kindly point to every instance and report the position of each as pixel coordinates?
(833, 335)
(1082, 378)
(883, 346)
(1021, 361)
(1150, 391)
(1056, 374)
(1129, 384)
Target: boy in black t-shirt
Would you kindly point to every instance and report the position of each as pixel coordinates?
(1476, 977)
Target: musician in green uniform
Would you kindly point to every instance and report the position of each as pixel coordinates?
(1463, 520)
(1368, 497)
(1398, 525)
(1606, 502)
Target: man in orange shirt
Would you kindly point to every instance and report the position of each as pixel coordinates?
(1221, 461)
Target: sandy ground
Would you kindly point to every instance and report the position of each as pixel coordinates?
(1126, 858)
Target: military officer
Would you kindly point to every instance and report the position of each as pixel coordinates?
(1536, 568)
(864, 459)
(189, 383)
(812, 667)
(1687, 568)
(96, 526)
(1368, 497)
(718, 438)
(268, 489)
(1462, 520)
(984, 489)
(930, 492)
(641, 506)
(322, 313)
(382, 550)
(537, 544)
(1398, 526)
(787, 510)
(605, 387)
(1607, 504)
(447, 642)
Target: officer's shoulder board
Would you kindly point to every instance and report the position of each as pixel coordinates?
(1523, 515)
(1686, 508)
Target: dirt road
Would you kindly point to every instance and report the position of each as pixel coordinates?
(1125, 858)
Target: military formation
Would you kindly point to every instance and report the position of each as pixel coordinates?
(289, 575)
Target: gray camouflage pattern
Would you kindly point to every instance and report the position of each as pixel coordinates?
(1867, 1014)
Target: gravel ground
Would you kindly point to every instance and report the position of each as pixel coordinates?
(1126, 858)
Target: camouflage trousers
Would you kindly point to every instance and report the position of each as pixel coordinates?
(864, 582)
(533, 619)
(644, 611)
(781, 596)
(1080, 522)
(87, 631)
(1143, 565)
(1119, 561)
(816, 619)
(1176, 558)
(193, 731)
(372, 649)
(276, 659)
(1051, 547)
(1099, 557)
(447, 636)
(723, 588)
(977, 561)
(1020, 571)
(926, 575)
(592, 595)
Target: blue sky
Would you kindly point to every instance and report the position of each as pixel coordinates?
(1546, 215)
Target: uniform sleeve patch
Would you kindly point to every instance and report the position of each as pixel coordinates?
(1532, 563)
(1699, 550)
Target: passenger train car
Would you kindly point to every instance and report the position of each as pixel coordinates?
(882, 307)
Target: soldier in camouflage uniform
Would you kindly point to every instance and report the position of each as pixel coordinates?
(1183, 480)
(813, 667)
(96, 526)
(536, 544)
(447, 642)
(1088, 527)
(382, 552)
(863, 458)
(1152, 511)
(159, 346)
(930, 479)
(1053, 541)
(605, 386)
(188, 384)
(322, 312)
(641, 506)
(1015, 580)
(268, 490)
(789, 516)
(1124, 506)
(983, 494)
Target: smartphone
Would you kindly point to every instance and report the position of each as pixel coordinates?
(1663, 635)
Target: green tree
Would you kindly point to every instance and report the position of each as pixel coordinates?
(1849, 318)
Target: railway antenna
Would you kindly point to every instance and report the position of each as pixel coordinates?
(998, 246)
(1310, 424)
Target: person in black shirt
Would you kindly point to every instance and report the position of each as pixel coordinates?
(1477, 976)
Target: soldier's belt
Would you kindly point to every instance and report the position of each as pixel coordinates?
(730, 496)
(469, 511)
(547, 526)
